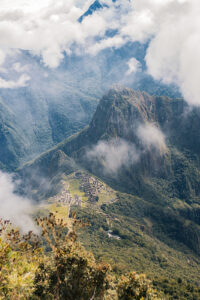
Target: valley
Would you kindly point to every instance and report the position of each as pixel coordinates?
(143, 212)
(99, 150)
(120, 233)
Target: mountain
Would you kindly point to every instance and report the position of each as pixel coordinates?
(166, 175)
(57, 103)
(93, 7)
(12, 144)
(118, 115)
(146, 150)
(33, 119)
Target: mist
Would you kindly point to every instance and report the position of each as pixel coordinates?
(114, 154)
(151, 136)
(13, 207)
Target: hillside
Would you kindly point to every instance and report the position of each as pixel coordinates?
(11, 139)
(56, 103)
(37, 120)
(143, 147)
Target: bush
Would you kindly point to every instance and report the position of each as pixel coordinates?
(67, 271)
(135, 286)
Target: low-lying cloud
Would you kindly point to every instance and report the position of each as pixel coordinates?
(151, 136)
(13, 207)
(114, 154)
(117, 153)
(133, 66)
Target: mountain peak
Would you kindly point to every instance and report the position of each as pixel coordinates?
(96, 5)
(119, 100)
(120, 89)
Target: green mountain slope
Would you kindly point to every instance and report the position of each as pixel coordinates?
(38, 120)
(13, 146)
(157, 178)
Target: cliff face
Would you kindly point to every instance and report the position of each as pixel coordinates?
(156, 126)
(163, 132)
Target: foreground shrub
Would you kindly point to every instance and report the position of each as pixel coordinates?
(135, 286)
(19, 257)
(63, 270)
(70, 272)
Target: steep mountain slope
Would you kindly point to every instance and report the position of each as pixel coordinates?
(56, 103)
(11, 139)
(147, 149)
(142, 145)
(39, 120)
(120, 114)
(96, 5)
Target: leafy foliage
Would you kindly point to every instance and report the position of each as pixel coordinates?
(138, 249)
(72, 272)
(135, 286)
(19, 257)
(65, 271)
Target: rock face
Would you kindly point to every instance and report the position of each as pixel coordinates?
(146, 146)
(162, 130)
(119, 116)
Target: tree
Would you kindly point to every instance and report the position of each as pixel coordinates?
(70, 272)
(135, 286)
(62, 269)
(19, 257)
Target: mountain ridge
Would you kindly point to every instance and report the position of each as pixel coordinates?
(163, 179)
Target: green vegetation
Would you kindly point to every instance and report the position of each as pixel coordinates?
(19, 259)
(59, 211)
(41, 120)
(153, 225)
(66, 271)
(162, 259)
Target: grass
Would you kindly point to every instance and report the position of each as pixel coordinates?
(61, 212)
(106, 197)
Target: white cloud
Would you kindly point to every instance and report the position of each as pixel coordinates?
(114, 42)
(19, 68)
(173, 54)
(13, 207)
(49, 28)
(44, 27)
(2, 57)
(133, 65)
(3, 70)
(11, 84)
(114, 154)
(152, 136)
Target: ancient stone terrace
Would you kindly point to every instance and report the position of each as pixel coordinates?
(65, 198)
(91, 187)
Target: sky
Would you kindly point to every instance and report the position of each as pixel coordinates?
(50, 29)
